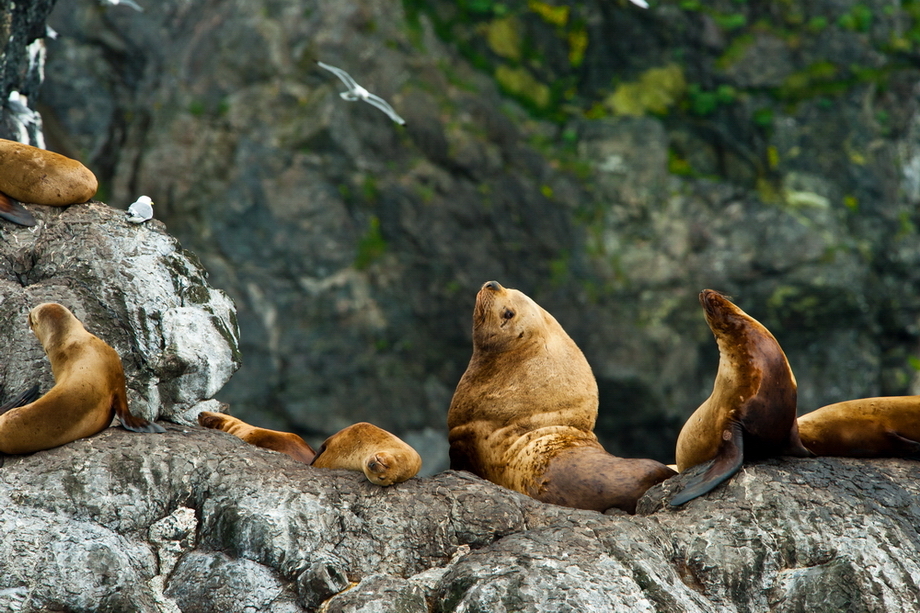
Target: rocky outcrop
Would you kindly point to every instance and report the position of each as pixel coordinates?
(196, 520)
(607, 160)
(131, 285)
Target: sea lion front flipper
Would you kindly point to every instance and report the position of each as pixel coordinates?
(130, 422)
(30, 395)
(12, 210)
(726, 463)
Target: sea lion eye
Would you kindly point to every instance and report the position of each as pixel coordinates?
(508, 314)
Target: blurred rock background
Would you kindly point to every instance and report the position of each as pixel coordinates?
(607, 160)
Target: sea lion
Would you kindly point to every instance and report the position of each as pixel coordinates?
(287, 443)
(89, 388)
(523, 413)
(864, 428)
(38, 176)
(383, 457)
(751, 411)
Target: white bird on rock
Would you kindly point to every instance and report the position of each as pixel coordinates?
(141, 210)
(356, 92)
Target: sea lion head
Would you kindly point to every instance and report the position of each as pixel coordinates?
(721, 314)
(386, 467)
(49, 321)
(504, 318)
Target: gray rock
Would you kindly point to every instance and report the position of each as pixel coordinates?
(132, 286)
(196, 520)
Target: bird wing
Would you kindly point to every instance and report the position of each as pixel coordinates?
(341, 74)
(381, 104)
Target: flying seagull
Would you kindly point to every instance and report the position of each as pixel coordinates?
(356, 92)
(140, 210)
(130, 3)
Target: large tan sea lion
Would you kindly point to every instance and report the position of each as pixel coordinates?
(523, 413)
(89, 388)
(38, 176)
(865, 428)
(751, 411)
(383, 457)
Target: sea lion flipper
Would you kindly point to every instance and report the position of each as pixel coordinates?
(906, 446)
(12, 210)
(133, 423)
(29, 395)
(725, 464)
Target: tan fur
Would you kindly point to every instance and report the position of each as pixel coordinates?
(864, 428)
(529, 397)
(754, 386)
(384, 458)
(38, 176)
(287, 443)
(89, 387)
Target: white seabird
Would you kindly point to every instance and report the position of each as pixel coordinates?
(641, 3)
(140, 210)
(356, 92)
(130, 3)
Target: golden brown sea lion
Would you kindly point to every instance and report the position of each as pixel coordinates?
(383, 457)
(287, 443)
(38, 176)
(89, 388)
(523, 413)
(866, 428)
(751, 411)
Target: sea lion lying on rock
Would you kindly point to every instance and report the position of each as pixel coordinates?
(865, 428)
(384, 458)
(523, 413)
(38, 176)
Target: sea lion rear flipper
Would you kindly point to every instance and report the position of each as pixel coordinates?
(30, 395)
(12, 210)
(904, 445)
(725, 464)
(130, 422)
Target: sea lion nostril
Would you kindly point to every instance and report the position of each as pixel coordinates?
(493, 285)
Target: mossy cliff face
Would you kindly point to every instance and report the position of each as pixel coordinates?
(609, 161)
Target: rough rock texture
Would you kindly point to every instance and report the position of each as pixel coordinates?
(22, 62)
(609, 161)
(131, 285)
(196, 520)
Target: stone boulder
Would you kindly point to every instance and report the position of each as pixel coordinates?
(131, 285)
(196, 520)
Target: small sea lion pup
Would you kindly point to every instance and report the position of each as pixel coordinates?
(89, 388)
(384, 458)
(38, 176)
(865, 428)
(523, 413)
(751, 411)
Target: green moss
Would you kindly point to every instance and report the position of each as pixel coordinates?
(578, 44)
(371, 246)
(504, 37)
(736, 51)
(705, 102)
(555, 15)
(521, 83)
(857, 19)
(656, 90)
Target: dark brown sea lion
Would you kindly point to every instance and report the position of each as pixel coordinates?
(751, 411)
(89, 388)
(864, 428)
(384, 458)
(523, 413)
